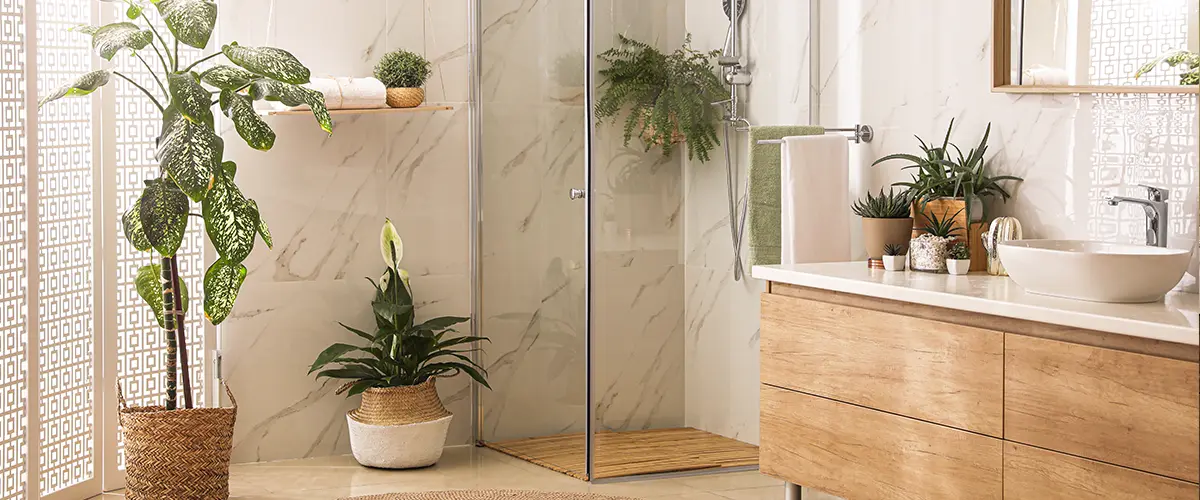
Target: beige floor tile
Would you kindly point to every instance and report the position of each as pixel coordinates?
(767, 493)
(733, 481)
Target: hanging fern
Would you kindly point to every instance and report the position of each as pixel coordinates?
(669, 96)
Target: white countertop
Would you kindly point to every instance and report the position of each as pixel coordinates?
(1174, 319)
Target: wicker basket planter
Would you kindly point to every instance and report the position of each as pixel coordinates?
(399, 427)
(177, 454)
(405, 97)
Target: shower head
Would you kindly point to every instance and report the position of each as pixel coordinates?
(741, 5)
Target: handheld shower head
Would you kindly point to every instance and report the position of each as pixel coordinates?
(729, 55)
(741, 5)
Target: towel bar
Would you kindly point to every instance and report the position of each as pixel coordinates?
(862, 133)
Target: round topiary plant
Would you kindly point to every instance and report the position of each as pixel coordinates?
(402, 69)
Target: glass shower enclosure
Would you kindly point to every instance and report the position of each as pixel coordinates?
(579, 253)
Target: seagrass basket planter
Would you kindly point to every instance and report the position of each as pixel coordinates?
(405, 97)
(177, 454)
(399, 427)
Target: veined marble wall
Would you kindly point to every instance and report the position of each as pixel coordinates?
(325, 199)
(534, 127)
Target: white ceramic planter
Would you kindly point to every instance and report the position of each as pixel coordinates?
(958, 266)
(894, 262)
(398, 446)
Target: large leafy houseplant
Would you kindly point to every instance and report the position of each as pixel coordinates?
(401, 352)
(946, 172)
(194, 178)
(669, 96)
(1176, 57)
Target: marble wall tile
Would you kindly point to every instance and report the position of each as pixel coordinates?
(325, 199)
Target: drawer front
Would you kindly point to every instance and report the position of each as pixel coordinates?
(933, 371)
(854, 452)
(1036, 474)
(1127, 409)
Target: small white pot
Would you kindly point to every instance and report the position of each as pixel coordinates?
(894, 262)
(958, 266)
(398, 446)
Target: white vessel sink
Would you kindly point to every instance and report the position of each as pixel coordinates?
(1095, 271)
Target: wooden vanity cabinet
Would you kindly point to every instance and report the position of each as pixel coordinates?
(869, 398)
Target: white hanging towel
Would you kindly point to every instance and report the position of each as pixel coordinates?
(815, 199)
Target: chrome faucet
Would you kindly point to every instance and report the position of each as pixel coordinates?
(1157, 213)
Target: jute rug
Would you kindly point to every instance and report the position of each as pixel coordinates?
(490, 495)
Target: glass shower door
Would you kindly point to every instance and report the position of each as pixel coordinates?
(532, 251)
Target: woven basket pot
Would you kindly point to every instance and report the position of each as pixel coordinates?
(405, 97)
(399, 427)
(177, 454)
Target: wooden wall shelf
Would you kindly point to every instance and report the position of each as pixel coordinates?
(372, 111)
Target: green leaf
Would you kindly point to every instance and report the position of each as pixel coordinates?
(131, 222)
(149, 288)
(134, 11)
(351, 372)
(330, 355)
(191, 21)
(222, 282)
(230, 220)
(227, 77)
(439, 324)
(191, 153)
(389, 311)
(271, 62)
(230, 169)
(358, 332)
(109, 39)
(83, 85)
(263, 230)
(191, 99)
(249, 125)
(163, 210)
(294, 95)
(362, 385)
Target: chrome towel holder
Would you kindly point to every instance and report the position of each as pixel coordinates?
(862, 133)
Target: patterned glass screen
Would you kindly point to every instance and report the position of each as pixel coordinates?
(1125, 34)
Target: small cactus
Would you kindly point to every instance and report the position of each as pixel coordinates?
(892, 249)
(960, 251)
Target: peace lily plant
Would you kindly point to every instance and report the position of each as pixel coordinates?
(194, 178)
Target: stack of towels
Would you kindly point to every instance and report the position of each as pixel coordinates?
(348, 93)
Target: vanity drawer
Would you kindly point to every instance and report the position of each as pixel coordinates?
(929, 370)
(855, 452)
(1128, 409)
(1036, 474)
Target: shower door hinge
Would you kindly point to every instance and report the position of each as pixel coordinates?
(578, 194)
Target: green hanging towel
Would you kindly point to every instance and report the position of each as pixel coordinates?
(764, 209)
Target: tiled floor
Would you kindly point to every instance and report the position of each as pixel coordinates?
(471, 468)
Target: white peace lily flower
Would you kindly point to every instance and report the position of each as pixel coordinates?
(390, 244)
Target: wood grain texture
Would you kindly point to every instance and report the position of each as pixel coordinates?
(1009, 325)
(929, 370)
(1122, 408)
(855, 452)
(1036, 474)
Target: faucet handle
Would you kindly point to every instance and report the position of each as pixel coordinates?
(1155, 193)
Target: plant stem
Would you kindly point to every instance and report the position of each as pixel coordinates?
(205, 58)
(181, 335)
(143, 89)
(168, 263)
(161, 40)
(166, 95)
(176, 67)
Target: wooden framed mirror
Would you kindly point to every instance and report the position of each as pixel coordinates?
(1096, 46)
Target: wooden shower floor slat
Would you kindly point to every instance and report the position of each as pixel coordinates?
(631, 453)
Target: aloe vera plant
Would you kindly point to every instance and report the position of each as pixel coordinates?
(889, 205)
(942, 227)
(892, 249)
(192, 167)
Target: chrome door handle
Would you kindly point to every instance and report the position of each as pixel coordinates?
(578, 194)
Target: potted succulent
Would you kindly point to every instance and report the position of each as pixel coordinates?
(400, 422)
(669, 96)
(179, 450)
(885, 220)
(403, 73)
(958, 261)
(928, 251)
(893, 257)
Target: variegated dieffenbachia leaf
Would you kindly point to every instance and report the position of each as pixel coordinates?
(230, 219)
(191, 21)
(109, 39)
(83, 85)
(191, 153)
(149, 287)
(249, 125)
(263, 230)
(222, 282)
(131, 222)
(227, 77)
(230, 169)
(192, 100)
(271, 62)
(294, 95)
(134, 9)
(163, 210)
(86, 29)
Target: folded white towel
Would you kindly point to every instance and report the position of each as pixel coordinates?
(1045, 75)
(349, 93)
(815, 199)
